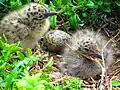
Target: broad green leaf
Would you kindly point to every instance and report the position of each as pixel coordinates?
(73, 20)
(115, 83)
(53, 21)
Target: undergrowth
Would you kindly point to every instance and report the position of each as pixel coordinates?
(15, 73)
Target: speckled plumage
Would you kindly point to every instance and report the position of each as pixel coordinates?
(89, 43)
(26, 25)
(54, 41)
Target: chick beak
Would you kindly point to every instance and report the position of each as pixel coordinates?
(92, 54)
(96, 55)
(51, 13)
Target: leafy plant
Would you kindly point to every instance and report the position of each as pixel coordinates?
(37, 81)
(78, 12)
(72, 84)
(12, 58)
(82, 12)
(7, 53)
(14, 4)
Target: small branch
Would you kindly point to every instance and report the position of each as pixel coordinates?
(107, 44)
(103, 61)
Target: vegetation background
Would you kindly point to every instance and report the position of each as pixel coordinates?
(31, 71)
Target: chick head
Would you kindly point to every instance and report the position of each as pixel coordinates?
(38, 12)
(86, 45)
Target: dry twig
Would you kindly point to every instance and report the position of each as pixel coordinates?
(103, 63)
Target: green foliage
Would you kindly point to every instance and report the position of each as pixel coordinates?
(48, 66)
(116, 83)
(83, 12)
(19, 68)
(15, 74)
(42, 81)
(77, 12)
(53, 19)
(7, 53)
(38, 81)
(11, 57)
(14, 4)
(117, 2)
(72, 84)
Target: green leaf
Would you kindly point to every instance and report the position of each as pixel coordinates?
(53, 21)
(12, 2)
(74, 19)
(116, 83)
(81, 2)
(90, 4)
(29, 52)
(5, 38)
(107, 3)
(20, 55)
(57, 3)
(82, 88)
(100, 2)
(107, 10)
(117, 2)
(69, 10)
(15, 4)
(11, 77)
(78, 18)
(66, 2)
(2, 1)
(50, 63)
(49, 66)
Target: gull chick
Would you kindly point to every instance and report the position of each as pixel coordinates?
(81, 57)
(26, 25)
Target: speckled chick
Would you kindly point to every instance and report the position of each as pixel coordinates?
(54, 41)
(26, 25)
(79, 59)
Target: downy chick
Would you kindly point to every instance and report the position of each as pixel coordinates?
(79, 59)
(26, 25)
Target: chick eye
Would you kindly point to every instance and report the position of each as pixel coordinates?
(40, 16)
(86, 49)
